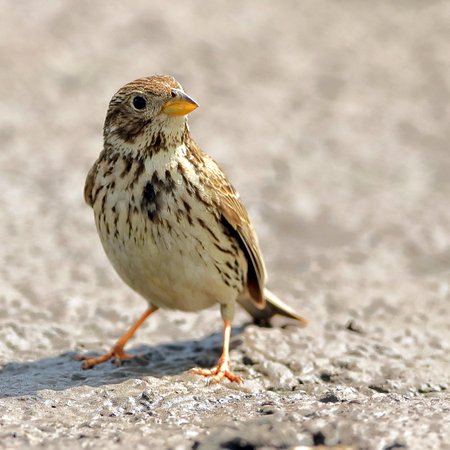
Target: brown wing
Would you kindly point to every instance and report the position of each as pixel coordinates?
(89, 185)
(235, 219)
(234, 213)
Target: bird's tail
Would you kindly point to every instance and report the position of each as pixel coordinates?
(273, 306)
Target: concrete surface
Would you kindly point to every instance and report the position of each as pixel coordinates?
(332, 119)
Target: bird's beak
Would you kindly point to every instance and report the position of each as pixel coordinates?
(180, 105)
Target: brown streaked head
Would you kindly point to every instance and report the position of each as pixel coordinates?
(157, 101)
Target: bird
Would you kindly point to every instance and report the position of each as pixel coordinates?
(169, 220)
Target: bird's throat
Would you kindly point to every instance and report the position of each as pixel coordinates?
(151, 139)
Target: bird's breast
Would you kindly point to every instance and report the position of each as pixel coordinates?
(163, 236)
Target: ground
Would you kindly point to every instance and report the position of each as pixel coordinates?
(332, 120)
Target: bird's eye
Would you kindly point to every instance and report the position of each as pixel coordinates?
(139, 102)
(174, 94)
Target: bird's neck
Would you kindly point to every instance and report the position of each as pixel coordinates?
(150, 141)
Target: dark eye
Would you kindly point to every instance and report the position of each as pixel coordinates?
(174, 94)
(139, 102)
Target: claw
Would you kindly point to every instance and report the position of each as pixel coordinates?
(222, 369)
(217, 374)
(117, 355)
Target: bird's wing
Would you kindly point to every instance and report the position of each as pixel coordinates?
(235, 219)
(235, 215)
(89, 185)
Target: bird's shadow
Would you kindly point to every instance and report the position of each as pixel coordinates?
(63, 372)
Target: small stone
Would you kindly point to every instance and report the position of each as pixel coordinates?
(352, 325)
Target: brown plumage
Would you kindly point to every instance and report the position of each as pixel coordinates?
(169, 220)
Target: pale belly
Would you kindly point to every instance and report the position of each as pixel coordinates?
(180, 268)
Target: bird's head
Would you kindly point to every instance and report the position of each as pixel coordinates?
(146, 110)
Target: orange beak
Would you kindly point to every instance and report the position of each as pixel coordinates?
(180, 105)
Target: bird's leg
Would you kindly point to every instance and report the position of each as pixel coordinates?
(222, 368)
(117, 353)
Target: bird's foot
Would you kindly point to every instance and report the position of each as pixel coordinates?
(218, 372)
(116, 354)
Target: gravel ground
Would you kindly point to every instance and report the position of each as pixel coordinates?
(332, 119)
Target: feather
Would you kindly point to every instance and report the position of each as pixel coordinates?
(235, 219)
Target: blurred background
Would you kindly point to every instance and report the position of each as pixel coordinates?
(330, 118)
